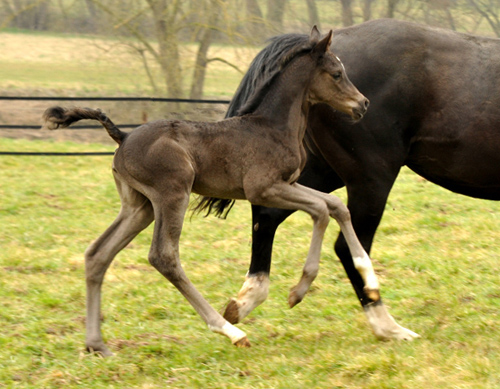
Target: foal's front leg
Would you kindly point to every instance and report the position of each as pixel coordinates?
(361, 260)
(292, 197)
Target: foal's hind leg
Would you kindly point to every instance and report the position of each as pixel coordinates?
(135, 215)
(164, 256)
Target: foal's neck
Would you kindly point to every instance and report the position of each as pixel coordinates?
(286, 101)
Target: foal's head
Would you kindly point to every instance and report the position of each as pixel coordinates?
(330, 84)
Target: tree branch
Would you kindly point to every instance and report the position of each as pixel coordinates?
(219, 59)
(132, 30)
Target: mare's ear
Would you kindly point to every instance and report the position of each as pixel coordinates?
(315, 34)
(324, 44)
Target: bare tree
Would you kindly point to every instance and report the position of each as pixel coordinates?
(255, 20)
(347, 16)
(488, 9)
(28, 14)
(206, 36)
(367, 9)
(391, 8)
(168, 47)
(275, 15)
(312, 11)
(171, 23)
(166, 54)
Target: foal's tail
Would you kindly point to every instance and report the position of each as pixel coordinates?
(58, 117)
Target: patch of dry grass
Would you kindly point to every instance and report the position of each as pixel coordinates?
(86, 65)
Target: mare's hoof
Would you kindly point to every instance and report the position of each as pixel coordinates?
(294, 298)
(404, 334)
(102, 351)
(372, 294)
(243, 343)
(232, 314)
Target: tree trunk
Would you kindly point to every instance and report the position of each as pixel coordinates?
(93, 20)
(347, 18)
(275, 15)
(168, 55)
(367, 10)
(391, 7)
(312, 10)
(255, 21)
(200, 66)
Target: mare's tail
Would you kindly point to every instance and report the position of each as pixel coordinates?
(58, 117)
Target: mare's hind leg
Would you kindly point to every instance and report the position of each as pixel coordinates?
(164, 256)
(135, 215)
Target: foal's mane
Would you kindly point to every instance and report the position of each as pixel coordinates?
(287, 55)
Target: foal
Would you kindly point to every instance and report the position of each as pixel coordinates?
(257, 156)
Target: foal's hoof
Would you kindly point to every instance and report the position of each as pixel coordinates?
(100, 350)
(243, 343)
(232, 314)
(294, 298)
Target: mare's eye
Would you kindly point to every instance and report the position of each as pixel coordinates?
(337, 76)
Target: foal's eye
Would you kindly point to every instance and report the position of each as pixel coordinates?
(337, 76)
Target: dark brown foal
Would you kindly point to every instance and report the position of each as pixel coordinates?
(257, 156)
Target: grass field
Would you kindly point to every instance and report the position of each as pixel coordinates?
(436, 253)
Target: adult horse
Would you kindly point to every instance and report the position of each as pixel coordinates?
(435, 107)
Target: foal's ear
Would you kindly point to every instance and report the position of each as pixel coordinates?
(315, 34)
(324, 44)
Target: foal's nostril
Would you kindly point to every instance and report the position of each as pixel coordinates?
(367, 104)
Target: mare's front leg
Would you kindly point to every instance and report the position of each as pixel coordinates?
(255, 289)
(169, 209)
(135, 215)
(366, 208)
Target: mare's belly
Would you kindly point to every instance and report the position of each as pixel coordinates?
(467, 166)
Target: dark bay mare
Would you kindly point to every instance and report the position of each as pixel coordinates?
(435, 107)
(257, 156)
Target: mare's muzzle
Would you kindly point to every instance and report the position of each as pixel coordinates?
(361, 109)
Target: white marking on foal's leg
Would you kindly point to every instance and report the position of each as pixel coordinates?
(365, 268)
(383, 324)
(237, 336)
(253, 293)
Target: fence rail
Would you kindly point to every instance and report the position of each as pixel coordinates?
(154, 99)
(61, 98)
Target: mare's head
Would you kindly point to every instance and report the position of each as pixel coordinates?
(330, 84)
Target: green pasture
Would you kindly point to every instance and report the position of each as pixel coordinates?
(436, 253)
